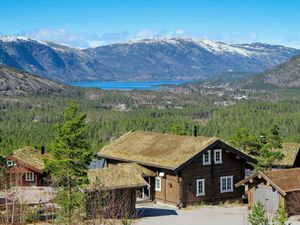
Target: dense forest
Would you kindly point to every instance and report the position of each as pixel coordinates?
(32, 120)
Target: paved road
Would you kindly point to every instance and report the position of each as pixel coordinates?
(214, 215)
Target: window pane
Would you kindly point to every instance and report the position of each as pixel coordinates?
(223, 183)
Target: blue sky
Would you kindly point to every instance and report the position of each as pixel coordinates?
(88, 23)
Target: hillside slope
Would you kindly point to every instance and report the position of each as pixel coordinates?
(151, 59)
(285, 75)
(18, 83)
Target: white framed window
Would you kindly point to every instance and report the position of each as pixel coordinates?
(29, 176)
(200, 184)
(218, 156)
(226, 184)
(207, 158)
(157, 183)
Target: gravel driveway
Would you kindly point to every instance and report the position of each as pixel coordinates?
(156, 214)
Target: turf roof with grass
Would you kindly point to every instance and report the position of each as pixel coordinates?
(116, 177)
(290, 151)
(31, 157)
(157, 149)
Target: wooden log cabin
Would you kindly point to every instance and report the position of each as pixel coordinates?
(25, 167)
(115, 189)
(189, 170)
(274, 188)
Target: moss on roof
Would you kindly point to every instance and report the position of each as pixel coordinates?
(158, 149)
(116, 177)
(31, 156)
(290, 150)
(144, 172)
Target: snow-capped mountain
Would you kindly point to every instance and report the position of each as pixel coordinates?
(149, 59)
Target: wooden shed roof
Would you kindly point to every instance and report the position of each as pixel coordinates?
(117, 177)
(30, 157)
(158, 149)
(285, 180)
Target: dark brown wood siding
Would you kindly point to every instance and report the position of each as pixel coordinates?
(180, 188)
(170, 189)
(16, 176)
(231, 166)
(291, 202)
(118, 203)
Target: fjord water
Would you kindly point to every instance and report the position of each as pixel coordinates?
(127, 85)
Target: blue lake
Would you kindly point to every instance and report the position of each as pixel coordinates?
(127, 85)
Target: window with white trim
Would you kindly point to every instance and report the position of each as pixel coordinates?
(200, 183)
(157, 183)
(226, 184)
(218, 156)
(207, 158)
(29, 176)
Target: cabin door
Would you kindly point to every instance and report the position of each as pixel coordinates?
(268, 196)
(146, 192)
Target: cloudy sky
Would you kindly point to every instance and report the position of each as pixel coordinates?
(90, 23)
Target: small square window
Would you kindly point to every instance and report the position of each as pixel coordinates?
(218, 156)
(157, 183)
(207, 158)
(200, 183)
(29, 176)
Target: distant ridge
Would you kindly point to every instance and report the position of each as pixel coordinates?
(18, 83)
(285, 75)
(149, 59)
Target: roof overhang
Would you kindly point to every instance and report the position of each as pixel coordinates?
(217, 142)
(22, 163)
(115, 188)
(260, 175)
(221, 144)
(138, 162)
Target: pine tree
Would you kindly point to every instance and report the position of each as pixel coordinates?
(177, 129)
(281, 217)
(70, 155)
(270, 151)
(245, 140)
(257, 215)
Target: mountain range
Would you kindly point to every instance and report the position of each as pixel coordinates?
(149, 59)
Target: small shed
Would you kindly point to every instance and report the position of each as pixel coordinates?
(274, 188)
(112, 191)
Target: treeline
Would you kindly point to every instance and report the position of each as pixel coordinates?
(32, 121)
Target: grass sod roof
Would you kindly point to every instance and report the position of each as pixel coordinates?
(116, 177)
(290, 151)
(157, 149)
(144, 172)
(31, 157)
(284, 180)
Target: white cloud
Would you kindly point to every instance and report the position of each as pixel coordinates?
(81, 40)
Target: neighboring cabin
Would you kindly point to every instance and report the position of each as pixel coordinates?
(188, 170)
(25, 167)
(273, 188)
(116, 189)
